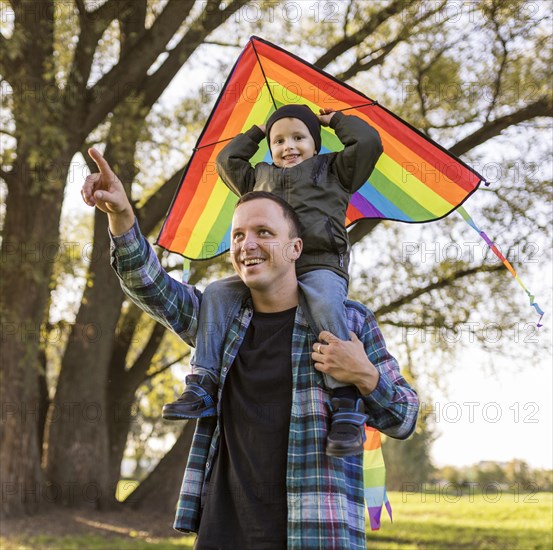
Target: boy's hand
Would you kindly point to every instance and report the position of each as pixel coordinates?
(325, 116)
(262, 127)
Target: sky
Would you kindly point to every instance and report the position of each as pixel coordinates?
(495, 417)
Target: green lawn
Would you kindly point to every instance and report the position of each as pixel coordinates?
(420, 521)
(499, 521)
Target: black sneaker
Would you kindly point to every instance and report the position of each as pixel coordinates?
(197, 400)
(347, 427)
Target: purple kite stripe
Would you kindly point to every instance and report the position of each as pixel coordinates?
(389, 508)
(369, 210)
(487, 239)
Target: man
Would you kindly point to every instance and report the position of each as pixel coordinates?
(257, 476)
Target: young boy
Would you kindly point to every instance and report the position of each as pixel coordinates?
(318, 187)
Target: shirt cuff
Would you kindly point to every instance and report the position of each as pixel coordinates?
(381, 396)
(255, 133)
(126, 238)
(335, 120)
(126, 245)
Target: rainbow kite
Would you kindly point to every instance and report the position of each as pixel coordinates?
(415, 180)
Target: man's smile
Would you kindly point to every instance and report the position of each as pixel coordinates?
(252, 261)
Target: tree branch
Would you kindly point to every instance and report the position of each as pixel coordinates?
(153, 210)
(92, 27)
(7, 67)
(168, 365)
(34, 40)
(502, 64)
(81, 8)
(358, 66)
(348, 42)
(361, 229)
(404, 33)
(137, 373)
(124, 77)
(541, 108)
(442, 283)
(210, 18)
(8, 177)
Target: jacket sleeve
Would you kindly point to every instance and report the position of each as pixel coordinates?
(392, 407)
(362, 149)
(174, 304)
(233, 162)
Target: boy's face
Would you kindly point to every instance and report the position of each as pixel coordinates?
(291, 143)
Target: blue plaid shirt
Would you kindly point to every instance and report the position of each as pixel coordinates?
(325, 494)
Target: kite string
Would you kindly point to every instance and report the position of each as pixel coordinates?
(370, 104)
(263, 73)
(465, 215)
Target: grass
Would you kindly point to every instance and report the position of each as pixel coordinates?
(421, 521)
(436, 521)
(94, 542)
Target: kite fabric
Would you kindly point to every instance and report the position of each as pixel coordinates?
(374, 478)
(415, 179)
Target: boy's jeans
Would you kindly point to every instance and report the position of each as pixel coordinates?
(325, 293)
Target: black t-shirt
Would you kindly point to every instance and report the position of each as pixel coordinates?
(245, 506)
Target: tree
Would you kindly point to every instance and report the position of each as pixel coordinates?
(102, 84)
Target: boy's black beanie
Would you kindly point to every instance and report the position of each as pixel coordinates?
(303, 113)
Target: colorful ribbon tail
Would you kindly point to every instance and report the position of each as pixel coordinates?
(186, 270)
(466, 216)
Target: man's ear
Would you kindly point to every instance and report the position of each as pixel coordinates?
(295, 247)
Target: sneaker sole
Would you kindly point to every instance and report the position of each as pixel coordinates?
(172, 415)
(339, 453)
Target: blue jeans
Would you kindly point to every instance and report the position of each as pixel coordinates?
(325, 293)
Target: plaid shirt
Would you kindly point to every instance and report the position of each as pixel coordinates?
(325, 494)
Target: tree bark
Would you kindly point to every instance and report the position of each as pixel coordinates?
(30, 241)
(78, 448)
(160, 490)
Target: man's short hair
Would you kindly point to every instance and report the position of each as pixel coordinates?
(287, 210)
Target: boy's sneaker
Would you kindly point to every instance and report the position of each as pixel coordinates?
(197, 400)
(347, 427)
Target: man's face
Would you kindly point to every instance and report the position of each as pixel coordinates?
(262, 251)
(291, 143)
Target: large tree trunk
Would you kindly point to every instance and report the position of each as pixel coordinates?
(160, 490)
(123, 384)
(78, 447)
(30, 241)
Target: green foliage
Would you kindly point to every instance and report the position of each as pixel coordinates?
(514, 475)
(408, 461)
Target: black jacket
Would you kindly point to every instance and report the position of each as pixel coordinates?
(318, 189)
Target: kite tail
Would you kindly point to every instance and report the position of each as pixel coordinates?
(506, 262)
(374, 478)
(185, 270)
